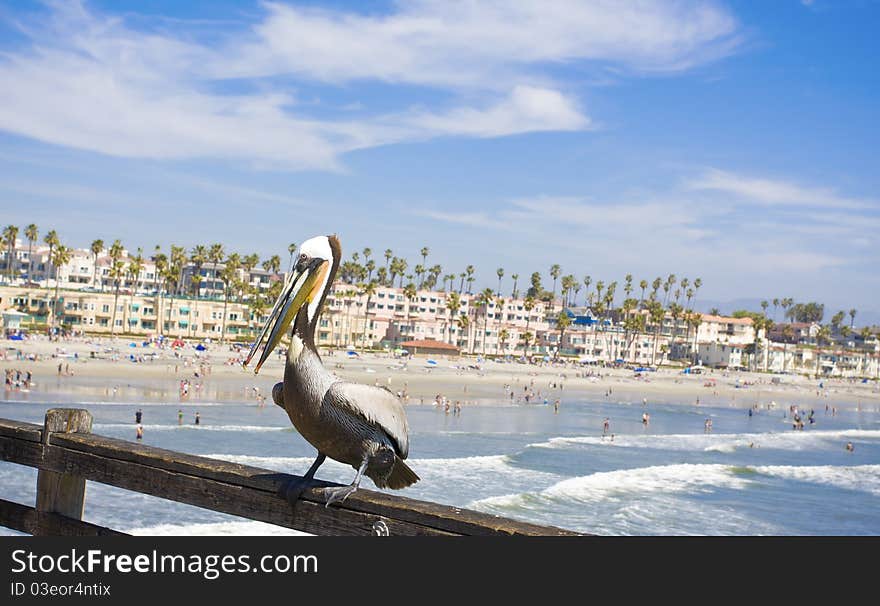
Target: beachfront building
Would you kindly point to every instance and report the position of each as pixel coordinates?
(389, 317)
(31, 266)
(143, 315)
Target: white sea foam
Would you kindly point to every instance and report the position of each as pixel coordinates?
(658, 478)
(216, 529)
(691, 478)
(864, 478)
(717, 442)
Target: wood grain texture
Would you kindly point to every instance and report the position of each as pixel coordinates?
(241, 490)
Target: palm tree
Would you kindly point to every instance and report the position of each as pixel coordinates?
(852, 318)
(463, 323)
(52, 240)
(369, 289)
(61, 256)
(469, 270)
(424, 252)
(563, 321)
(453, 304)
(767, 325)
(499, 314)
(96, 248)
(555, 270)
(272, 264)
(528, 306)
(161, 262)
(198, 255)
(788, 334)
(228, 275)
(786, 303)
(587, 281)
(10, 233)
(462, 275)
(695, 320)
(775, 307)
(215, 255)
(133, 271)
(500, 273)
(483, 301)
(643, 284)
(117, 271)
(410, 292)
(388, 254)
(514, 294)
(402, 265)
(503, 336)
(177, 261)
(656, 313)
(525, 338)
(31, 233)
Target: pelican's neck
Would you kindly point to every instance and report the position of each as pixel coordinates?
(304, 372)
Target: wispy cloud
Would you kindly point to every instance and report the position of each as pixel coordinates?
(483, 44)
(93, 82)
(666, 228)
(773, 192)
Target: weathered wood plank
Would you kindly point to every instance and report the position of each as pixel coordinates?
(245, 491)
(21, 430)
(27, 519)
(62, 493)
(226, 497)
(440, 517)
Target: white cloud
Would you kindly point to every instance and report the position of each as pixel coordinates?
(92, 82)
(772, 192)
(478, 44)
(526, 109)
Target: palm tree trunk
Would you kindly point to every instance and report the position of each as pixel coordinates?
(115, 304)
(223, 323)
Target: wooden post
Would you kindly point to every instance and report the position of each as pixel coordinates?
(61, 493)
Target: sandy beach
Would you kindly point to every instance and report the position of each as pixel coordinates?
(101, 369)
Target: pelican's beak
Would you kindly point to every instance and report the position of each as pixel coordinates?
(302, 287)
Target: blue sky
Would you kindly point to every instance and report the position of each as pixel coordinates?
(732, 141)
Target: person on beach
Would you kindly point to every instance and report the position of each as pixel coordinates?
(198, 418)
(140, 432)
(606, 424)
(138, 416)
(850, 447)
(179, 417)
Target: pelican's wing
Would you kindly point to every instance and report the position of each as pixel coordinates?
(376, 405)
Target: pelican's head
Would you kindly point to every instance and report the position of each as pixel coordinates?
(305, 288)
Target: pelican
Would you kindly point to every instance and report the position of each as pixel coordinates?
(359, 425)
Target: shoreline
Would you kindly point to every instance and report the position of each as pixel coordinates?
(213, 376)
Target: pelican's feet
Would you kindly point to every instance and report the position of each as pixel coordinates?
(338, 494)
(293, 490)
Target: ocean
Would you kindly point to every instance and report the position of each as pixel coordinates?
(750, 475)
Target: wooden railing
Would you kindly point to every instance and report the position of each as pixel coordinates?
(67, 454)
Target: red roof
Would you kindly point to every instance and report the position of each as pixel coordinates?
(429, 343)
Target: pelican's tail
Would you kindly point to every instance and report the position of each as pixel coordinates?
(401, 476)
